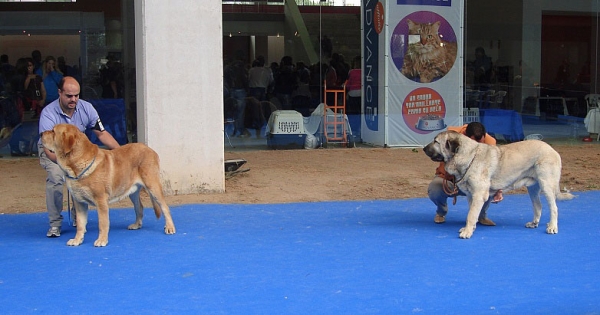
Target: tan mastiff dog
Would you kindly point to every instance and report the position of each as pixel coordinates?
(98, 177)
(481, 170)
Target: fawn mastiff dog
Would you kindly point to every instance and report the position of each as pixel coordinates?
(98, 177)
(481, 170)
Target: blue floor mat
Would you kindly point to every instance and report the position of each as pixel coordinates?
(369, 257)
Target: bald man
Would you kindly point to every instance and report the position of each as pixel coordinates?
(67, 109)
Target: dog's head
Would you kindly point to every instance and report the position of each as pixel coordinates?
(61, 139)
(66, 140)
(444, 146)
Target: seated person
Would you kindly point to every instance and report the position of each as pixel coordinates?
(443, 183)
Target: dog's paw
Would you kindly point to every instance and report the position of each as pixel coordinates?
(101, 242)
(169, 229)
(531, 225)
(465, 232)
(552, 229)
(134, 226)
(75, 242)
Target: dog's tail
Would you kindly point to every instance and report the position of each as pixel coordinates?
(157, 209)
(155, 204)
(564, 195)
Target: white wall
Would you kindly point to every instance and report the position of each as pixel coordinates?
(276, 49)
(180, 91)
(52, 33)
(19, 46)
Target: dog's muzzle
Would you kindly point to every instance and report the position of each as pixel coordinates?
(432, 153)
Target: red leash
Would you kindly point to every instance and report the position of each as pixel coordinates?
(450, 192)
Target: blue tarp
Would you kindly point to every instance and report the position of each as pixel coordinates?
(359, 257)
(24, 137)
(112, 113)
(507, 123)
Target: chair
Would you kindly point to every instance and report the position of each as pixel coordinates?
(472, 97)
(592, 122)
(486, 98)
(592, 101)
(227, 122)
(229, 113)
(24, 138)
(497, 99)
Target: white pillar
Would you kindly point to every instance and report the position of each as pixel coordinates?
(179, 83)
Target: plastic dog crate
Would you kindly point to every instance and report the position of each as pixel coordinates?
(286, 130)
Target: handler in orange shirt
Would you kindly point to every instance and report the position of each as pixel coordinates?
(442, 185)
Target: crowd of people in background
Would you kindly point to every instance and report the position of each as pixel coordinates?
(27, 86)
(252, 91)
(32, 82)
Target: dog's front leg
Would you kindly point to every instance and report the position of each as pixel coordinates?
(103, 223)
(475, 204)
(82, 213)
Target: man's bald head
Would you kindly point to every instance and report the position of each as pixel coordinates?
(68, 94)
(68, 81)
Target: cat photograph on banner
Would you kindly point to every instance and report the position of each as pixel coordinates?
(423, 47)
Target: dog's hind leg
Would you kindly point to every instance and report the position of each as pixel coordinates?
(534, 195)
(150, 176)
(139, 210)
(549, 182)
(550, 193)
(160, 205)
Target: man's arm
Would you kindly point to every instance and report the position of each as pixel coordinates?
(489, 140)
(107, 139)
(50, 155)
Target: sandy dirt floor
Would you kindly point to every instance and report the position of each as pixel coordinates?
(285, 176)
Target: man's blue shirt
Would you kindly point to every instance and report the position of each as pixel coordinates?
(84, 117)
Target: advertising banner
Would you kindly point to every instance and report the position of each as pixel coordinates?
(373, 74)
(415, 84)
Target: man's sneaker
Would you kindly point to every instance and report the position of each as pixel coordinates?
(53, 232)
(486, 221)
(439, 219)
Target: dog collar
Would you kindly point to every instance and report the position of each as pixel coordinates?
(82, 172)
(468, 168)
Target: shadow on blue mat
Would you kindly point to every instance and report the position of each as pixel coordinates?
(370, 257)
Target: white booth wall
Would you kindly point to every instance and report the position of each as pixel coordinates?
(180, 91)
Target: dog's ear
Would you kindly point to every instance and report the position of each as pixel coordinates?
(68, 141)
(452, 145)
